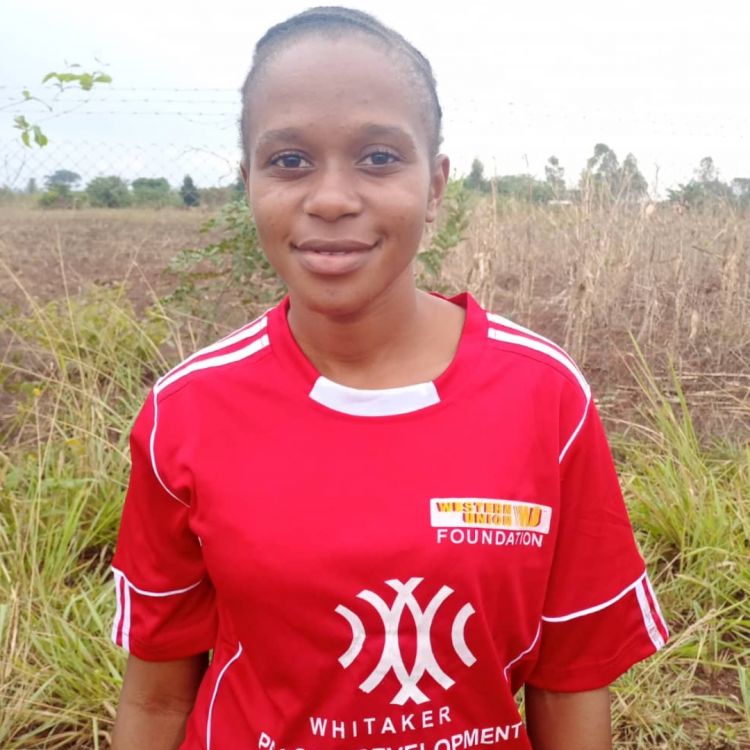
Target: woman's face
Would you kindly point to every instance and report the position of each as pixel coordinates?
(340, 178)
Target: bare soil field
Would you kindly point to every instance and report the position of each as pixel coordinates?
(94, 246)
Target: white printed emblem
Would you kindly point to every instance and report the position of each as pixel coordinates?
(391, 658)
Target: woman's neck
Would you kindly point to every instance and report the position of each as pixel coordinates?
(394, 343)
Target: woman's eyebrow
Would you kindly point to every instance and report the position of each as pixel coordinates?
(368, 130)
(280, 134)
(374, 130)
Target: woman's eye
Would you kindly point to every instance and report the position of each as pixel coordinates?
(381, 158)
(289, 161)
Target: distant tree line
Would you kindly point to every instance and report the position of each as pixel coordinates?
(605, 178)
(61, 190)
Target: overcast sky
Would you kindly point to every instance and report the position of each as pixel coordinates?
(518, 81)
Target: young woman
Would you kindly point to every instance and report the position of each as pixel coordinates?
(383, 511)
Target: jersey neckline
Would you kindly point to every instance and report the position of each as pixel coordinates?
(384, 402)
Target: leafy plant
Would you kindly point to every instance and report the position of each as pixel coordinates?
(234, 262)
(68, 79)
(452, 225)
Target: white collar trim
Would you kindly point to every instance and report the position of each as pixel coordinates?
(374, 403)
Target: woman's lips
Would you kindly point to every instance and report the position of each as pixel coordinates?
(332, 257)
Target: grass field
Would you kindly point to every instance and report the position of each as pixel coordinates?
(655, 307)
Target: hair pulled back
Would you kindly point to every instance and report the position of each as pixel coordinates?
(335, 21)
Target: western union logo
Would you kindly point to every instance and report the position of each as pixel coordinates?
(484, 513)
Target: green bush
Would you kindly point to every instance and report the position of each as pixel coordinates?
(61, 196)
(108, 192)
(152, 192)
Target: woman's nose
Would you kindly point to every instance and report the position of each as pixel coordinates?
(332, 195)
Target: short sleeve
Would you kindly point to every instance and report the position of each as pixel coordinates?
(600, 613)
(165, 604)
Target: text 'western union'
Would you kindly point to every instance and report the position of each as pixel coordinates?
(495, 514)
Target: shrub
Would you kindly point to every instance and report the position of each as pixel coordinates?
(58, 196)
(152, 192)
(108, 192)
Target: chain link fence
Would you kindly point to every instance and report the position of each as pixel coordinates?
(30, 170)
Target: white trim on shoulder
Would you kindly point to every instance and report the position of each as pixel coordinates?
(523, 653)
(552, 351)
(540, 346)
(217, 361)
(501, 321)
(596, 607)
(215, 693)
(185, 369)
(575, 432)
(152, 452)
(247, 332)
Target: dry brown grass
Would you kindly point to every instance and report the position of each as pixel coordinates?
(603, 281)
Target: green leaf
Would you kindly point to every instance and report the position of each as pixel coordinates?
(48, 76)
(26, 94)
(102, 78)
(21, 122)
(25, 138)
(86, 81)
(40, 139)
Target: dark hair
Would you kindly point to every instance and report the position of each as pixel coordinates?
(335, 21)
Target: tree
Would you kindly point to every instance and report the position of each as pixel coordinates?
(706, 171)
(603, 165)
(631, 183)
(606, 179)
(151, 191)
(31, 187)
(555, 176)
(741, 191)
(62, 178)
(523, 187)
(108, 192)
(189, 192)
(704, 189)
(476, 179)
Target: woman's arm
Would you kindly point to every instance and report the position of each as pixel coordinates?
(156, 698)
(568, 721)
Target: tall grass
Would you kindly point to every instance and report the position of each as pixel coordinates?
(79, 374)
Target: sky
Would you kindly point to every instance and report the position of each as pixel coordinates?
(518, 82)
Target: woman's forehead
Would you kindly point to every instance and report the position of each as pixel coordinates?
(333, 79)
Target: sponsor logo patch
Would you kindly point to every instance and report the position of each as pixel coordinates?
(485, 513)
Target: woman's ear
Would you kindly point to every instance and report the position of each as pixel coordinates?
(438, 180)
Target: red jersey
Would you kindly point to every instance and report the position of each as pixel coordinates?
(378, 568)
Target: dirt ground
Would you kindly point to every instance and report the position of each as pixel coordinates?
(39, 249)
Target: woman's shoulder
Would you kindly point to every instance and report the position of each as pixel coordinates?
(214, 363)
(534, 355)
